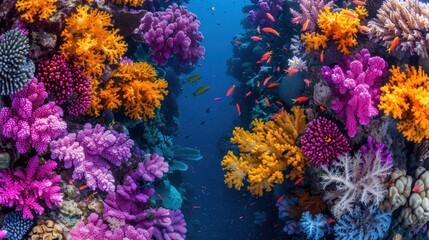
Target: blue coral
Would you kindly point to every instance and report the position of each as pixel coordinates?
(16, 69)
(16, 226)
(315, 227)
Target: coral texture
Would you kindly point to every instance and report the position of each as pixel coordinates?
(153, 166)
(46, 229)
(355, 84)
(67, 83)
(15, 225)
(28, 190)
(403, 19)
(133, 3)
(297, 63)
(315, 227)
(16, 68)
(398, 190)
(89, 37)
(258, 16)
(39, 9)
(309, 11)
(404, 97)
(265, 152)
(29, 122)
(323, 142)
(172, 32)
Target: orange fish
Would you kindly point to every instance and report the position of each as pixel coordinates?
(307, 82)
(275, 116)
(266, 80)
(248, 93)
(298, 180)
(202, 57)
(415, 188)
(82, 187)
(363, 28)
(90, 197)
(269, 60)
(267, 101)
(312, 34)
(291, 71)
(230, 90)
(322, 56)
(273, 85)
(330, 220)
(256, 38)
(238, 109)
(256, 101)
(238, 43)
(279, 103)
(283, 109)
(300, 99)
(278, 69)
(268, 45)
(393, 44)
(280, 198)
(350, 15)
(160, 196)
(358, 2)
(266, 56)
(305, 25)
(271, 30)
(269, 16)
(258, 30)
(296, 19)
(322, 108)
(259, 62)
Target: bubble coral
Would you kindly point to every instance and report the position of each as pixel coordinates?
(323, 142)
(31, 9)
(405, 98)
(265, 152)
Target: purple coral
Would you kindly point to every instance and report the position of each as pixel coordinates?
(355, 84)
(152, 166)
(3, 234)
(169, 224)
(30, 123)
(28, 190)
(377, 148)
(173, 32)
(67, 83)
(90, 151)
(310, 12)
(259, 16)
(323, 142)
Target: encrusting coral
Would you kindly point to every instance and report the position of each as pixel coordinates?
(265, 152)
(89, 36)
(40, 9)
(405, 97)
(46, 230)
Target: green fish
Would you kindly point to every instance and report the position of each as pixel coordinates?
(193, 78)
(200, 90)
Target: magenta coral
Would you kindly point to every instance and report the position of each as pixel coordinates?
(28, 190)
(172, 32)
(355, 84)
(323, 142)
(152, 166)
(169, 224)
(30, 123)
(3, 234)
(67, 83)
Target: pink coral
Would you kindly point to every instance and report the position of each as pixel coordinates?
(152, 166)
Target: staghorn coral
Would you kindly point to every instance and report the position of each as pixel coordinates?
(265, 152)
(89, 37)
(405, 98)
(40, 9)
(133, 3)
(402, 18)
(134, 86)
(310, 12)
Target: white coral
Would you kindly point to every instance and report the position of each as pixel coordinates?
(297, 63)
(297, 47)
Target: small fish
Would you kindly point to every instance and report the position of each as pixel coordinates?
(322, 108)
(82, 187)
(350, 15)
(258, 30)
(300, 99)
(256, 38)
(256, 101)
(217, 99)
(269, 60)
(230, 90)
(241, 217)
(291, 71)
(248, 93)
(278, 69)
(358, 2)
(416, 188)
(202, 57)
(393, 44)
(307, 82)
(322, 56)
(193, 78)
(280, 198)
(363, 28)
(279, 103)
(160, 196)
(312, 34)
(209, 109)
(238, 109)
(269, 16)
(273, 85)
(420, 30)
(266, 55)
(330, 220)
(266, 80)
(238, 43)
(305, 25)
(271, 30)
(90, 197)
(196, 207)
(298, 181)
(296, 19)
(259, 62)
(285, 152)
(200, 90)
(258, 83)
(267, 101)
(275, 116)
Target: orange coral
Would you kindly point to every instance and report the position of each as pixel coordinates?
(406, 98)
(90, 37)
(266, 152)
(31, 9)
(134, 3)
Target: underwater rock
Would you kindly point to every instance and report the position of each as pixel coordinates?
(322, 94)
(171, 197)
(292, 88)
(46, 230)
(4, 160)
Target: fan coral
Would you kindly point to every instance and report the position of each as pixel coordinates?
(355, 84)
(315, 227)
(89, 36)
(323, 142)
(67, 82)
(357, 179)
(16, 67)
(15, 225)
(27, 190)
(310, 12)
(403, 19)
(133, 3)
(370, 224)
(40, 9)
(259, 15)
(172, 32)
(30, 123)
(266, 152)
(136, 87)
(404, 96)
(151, 167)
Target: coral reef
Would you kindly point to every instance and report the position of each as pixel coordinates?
(265, 152)
(133, 3)
(15, 225)
(398, 190)
(31, 9)
(310, 12)
(46, 229)
(258, 16)
(151, 167)
(297, 63)
(315, 227)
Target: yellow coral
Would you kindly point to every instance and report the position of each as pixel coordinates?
(314, 41)
(361, 12)
(30, 9)
(134, 3)
(134, 86)
(90, 37)
(406, 97)
(265, 152)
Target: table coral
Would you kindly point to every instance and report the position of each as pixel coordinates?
(265, 152)
(40, 9)
(405, 98)
(89, 36)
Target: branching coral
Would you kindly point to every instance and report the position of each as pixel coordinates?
(265, 152)
(133, 3)
(403, 19)
(89, 36)
(310, 12)
(31, 9)
(315, 227)
(136, 87)
(405, 97)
